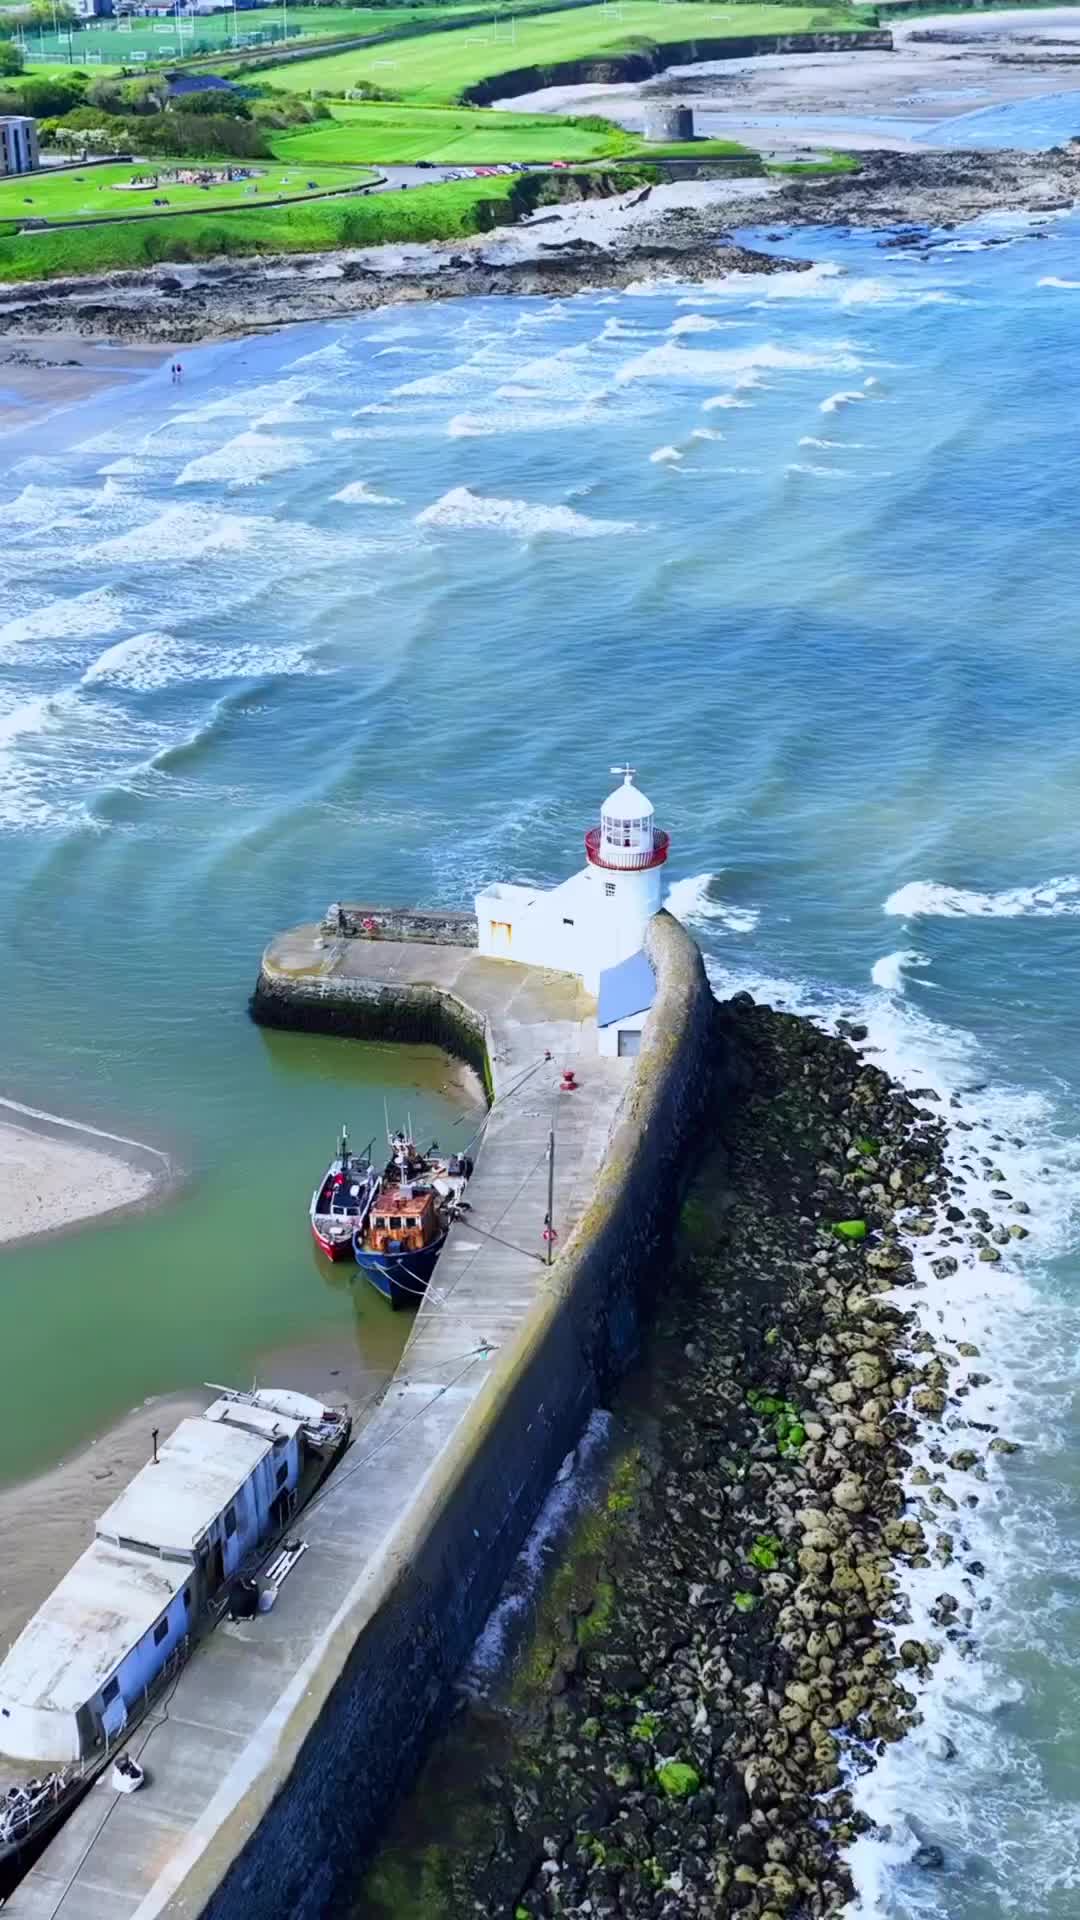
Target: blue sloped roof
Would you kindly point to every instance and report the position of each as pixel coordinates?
(180, 83)
(626, 989)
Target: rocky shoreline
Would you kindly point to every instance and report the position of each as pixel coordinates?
(730, 1641)
(680, 231)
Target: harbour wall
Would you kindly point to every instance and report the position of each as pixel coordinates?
(380, 1010)
(324, 1770)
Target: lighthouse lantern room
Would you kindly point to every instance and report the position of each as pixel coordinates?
(594, 923)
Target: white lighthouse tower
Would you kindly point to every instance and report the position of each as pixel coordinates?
(594, 923)
(626, 855)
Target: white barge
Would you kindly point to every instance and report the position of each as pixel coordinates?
(165, 1558)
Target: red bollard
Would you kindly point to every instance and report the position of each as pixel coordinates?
(569, 1084)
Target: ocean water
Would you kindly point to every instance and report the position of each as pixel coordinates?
(369, 609)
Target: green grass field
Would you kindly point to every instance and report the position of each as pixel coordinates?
(103, 45)
(430, 213)
(92, 192)
(440, 66)
(391, 134)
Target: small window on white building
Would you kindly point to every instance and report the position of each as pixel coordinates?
(566, 922)
(609, 889)
(629, 1042)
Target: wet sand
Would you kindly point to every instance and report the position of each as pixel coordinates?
(43, 1157)
(48, 1521)
(941, 67)
(40, 374)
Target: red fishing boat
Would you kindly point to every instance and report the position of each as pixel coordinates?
(340, 1203)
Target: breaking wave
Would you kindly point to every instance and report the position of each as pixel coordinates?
(693, 902)
(835, 401)
(359, 494)
(889, 971)
(462, 508)
(739, 364)
(245, 460)
(927, 899)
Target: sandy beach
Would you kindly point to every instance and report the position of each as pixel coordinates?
(49, 1520)
(940, 68)
(40, 374)
(43, 1156)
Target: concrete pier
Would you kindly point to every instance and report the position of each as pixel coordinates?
(273, 1761)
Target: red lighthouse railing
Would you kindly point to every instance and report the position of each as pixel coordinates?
(631, 860)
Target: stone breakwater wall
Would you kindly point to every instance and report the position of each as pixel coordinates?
(645, 62)
(360, 1009)
(321, 1776)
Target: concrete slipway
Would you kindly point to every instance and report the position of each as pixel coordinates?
(278, 1747)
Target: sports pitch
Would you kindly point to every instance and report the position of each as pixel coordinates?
(440, 66)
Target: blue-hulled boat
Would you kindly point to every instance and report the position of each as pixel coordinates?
(403, 1232)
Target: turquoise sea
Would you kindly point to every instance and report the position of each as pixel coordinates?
(369, 609)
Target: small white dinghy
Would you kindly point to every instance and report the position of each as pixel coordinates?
(127, 1775)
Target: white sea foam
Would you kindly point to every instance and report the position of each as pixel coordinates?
(695, 323)
(146, 662)
(827, 281)
(82, 616)
(739, 364)
(835, 401)
(665, 456)
(707, 433)
(1054, 280)
(451, 380)
(570, 1492)
(462, 508)
(245, 460)
(359, 494)
(969, 1806)
(929, 900)
(239, 403)
(693, 902)
(38, 507)
(811, 440)
(889, 971)
(527, 419)
(176, 535)
(819, 473)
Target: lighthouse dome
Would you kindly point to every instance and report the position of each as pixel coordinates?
(627, 803)
(627, 836)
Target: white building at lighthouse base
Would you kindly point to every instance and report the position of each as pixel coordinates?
(592, 924)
